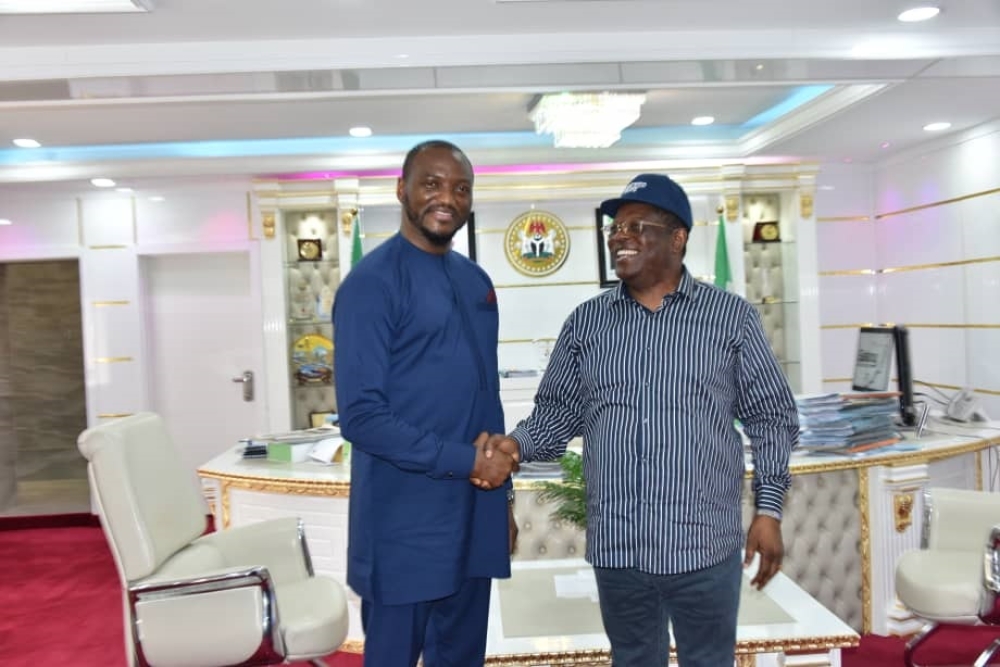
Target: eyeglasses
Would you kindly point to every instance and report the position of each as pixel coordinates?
(631, 228)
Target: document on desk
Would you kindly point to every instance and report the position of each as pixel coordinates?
(580, 584)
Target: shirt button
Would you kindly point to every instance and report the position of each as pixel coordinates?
(645, 421)
(451, 474)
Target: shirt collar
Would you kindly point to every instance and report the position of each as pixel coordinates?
(686, 288)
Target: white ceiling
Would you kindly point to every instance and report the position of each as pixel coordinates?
(213, 86)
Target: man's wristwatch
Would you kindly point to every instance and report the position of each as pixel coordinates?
(510, 496)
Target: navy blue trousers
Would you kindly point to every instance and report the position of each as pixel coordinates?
(637, 609)
(450, 632)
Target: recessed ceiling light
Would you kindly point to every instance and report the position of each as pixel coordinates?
(5, 221)
(703, 120)
(26, 143)
(919, 14)
(936, 127)
(73, 6)
(123, 190)
(102, 182)
(360, 131)
(884, 144)
(759, 66)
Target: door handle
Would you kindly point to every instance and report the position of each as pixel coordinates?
(247, 381)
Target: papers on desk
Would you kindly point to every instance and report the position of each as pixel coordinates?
(323, 444)
(848, 423)
(580, 584)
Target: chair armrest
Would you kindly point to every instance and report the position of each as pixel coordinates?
(989, 604)
(277, 544)
(222, 617)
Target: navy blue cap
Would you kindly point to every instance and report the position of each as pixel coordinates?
(656, 190)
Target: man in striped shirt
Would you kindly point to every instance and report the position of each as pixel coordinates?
(652, 374)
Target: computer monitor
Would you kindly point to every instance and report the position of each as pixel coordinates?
(873, 362)
(873, 366)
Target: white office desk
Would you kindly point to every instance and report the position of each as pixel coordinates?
(547, 614)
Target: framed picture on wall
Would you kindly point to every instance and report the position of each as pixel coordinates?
(605, 263)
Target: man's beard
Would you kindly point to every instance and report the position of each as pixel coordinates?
(439, 240)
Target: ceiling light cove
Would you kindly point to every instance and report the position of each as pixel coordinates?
(73, 6)
(360, 131)
(936, 127)
(102, 182)
(915, 14)
(703, 120)
(26, 143)
(4, 222)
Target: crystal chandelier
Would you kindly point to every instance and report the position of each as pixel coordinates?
(586, 120)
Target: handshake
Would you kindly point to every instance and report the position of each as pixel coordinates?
(497, 456)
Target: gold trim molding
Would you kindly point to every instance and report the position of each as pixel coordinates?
(732, 209)
(909, 267)
(902, 510)
(845, 218)
(589, 283)
(806, 205)
(943, 202)
(114, 415)
(267, 223)
(107, 247)
(102, 304)
(112, 360)
(866, 552)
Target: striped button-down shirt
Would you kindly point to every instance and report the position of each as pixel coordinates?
(655, 395)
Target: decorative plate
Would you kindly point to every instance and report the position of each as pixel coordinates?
(312, 360)
(536, 243)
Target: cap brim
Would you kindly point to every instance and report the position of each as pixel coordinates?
(610, 207)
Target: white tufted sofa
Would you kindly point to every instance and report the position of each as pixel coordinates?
(820, 528)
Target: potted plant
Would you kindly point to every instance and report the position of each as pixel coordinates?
(569, 495)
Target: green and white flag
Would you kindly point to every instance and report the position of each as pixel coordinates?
(723, 274)
(357, 250)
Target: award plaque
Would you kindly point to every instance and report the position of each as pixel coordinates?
(310, 250)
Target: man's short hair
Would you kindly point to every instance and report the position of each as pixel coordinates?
(431, 143)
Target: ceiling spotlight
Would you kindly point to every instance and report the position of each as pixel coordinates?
(360, 131)
(4, 222)
(703, 120)
(884, 144)
(26, 143)
(759, 66)
(102, 182)
(936, 127)
(919, 14)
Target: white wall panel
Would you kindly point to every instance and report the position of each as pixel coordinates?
(846, 246)
(983, 358)
(925, 296)
(198, 217)
(982, 293)
(939, 355)
(839, 347)
(843, 191)
(116, 388)
(981, 225)
(847, 299)
(107, 221)
(110, 275)
(921, 237)
(115, 330)
(36, 224)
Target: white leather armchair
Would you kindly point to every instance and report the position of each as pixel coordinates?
(954, 578)
(242, 596)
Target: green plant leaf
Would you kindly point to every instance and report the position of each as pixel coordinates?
(569, 495)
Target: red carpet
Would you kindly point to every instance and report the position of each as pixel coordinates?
(949, 647)
(61, 601)
(61, 604)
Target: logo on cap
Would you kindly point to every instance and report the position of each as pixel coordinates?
(633, 186)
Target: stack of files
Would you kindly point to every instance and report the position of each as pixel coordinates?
(847, 423)
(289, 447)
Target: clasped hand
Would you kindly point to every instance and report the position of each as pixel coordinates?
(497, 456)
